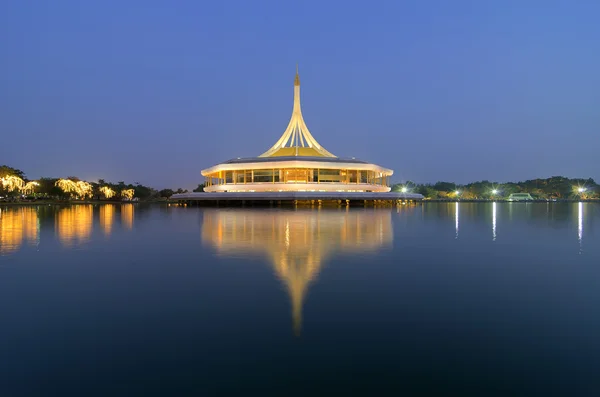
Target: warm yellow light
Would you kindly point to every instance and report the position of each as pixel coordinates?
(29, 187)
(80, 188)
(107, 192)
(74, 224)
(12, 182)
(18, 225)
(298, 244)
(127, 193)
(127, 211)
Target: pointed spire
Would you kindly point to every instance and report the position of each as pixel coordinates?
(297, 140)
(297, 79)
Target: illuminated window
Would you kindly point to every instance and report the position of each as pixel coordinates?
(263, 176)
(332, 176)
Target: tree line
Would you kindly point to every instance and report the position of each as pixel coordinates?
(556, 187)
(49, 187)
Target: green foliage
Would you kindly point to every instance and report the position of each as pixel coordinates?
(166, 193)
(48, 188)
(5, 170)
(143, 192)
(556, 187)
(445, 186)
(200, 188)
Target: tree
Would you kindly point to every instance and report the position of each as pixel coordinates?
(5, 170)
(200, 188)
(446, 187)
(166, 193)
(143, 192)
(427, 191)
(48, 187)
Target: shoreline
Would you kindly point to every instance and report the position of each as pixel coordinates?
(511, 201)
(76, 202)
(96, 202)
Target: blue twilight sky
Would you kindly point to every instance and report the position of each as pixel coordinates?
(154, 91)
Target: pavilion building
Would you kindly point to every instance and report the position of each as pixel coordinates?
(297, 163)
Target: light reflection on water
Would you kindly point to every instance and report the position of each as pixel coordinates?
(107, 216)
(209, 293)
(17, 225)
(73, 225)
(494, 211)
(296, 244)
(127, 212)
(580, 225)
(456, 215)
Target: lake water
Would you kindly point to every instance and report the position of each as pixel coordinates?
(434, 299)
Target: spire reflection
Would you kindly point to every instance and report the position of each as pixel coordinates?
(73, 224)
(296, 243)
(17, 225)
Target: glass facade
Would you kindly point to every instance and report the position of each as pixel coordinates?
(298, 175)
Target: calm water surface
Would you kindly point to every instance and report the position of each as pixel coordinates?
(449, 299)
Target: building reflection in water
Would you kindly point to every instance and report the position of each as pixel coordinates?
(16, 226)
(73, 224)
(296, 243)
(107, 217)
(127, 216)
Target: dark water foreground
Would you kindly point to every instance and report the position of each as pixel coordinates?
(437, 299)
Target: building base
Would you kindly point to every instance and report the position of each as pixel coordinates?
(295, 198)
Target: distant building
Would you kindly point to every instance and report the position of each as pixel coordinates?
(520, 197)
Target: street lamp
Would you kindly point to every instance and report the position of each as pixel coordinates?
(404, 189)
(581, 189)
(494, 191)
